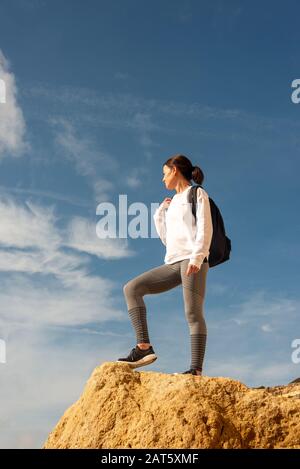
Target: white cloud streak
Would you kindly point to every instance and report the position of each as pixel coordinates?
(12, 123)
(64, 292)
(43, 376)
(51, 313)
(82, 237)
(88, 161)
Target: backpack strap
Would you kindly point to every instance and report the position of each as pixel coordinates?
(193, 197)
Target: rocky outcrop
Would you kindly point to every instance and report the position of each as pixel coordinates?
(125, 408)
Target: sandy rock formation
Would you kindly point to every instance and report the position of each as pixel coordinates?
(125, 408)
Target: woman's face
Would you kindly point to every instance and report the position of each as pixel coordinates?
(170, 177)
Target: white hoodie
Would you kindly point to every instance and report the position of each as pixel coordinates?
(178, 230)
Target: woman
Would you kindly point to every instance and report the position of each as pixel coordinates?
(187, 250)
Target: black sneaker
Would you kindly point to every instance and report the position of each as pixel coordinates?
(191, 371)
(139, 357)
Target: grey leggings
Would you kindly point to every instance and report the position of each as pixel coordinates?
(163, 278)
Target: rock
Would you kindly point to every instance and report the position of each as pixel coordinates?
(297, 380)
(125, 408)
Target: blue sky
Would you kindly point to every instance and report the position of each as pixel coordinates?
(99, 95)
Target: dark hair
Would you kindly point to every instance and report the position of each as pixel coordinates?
(186, 168)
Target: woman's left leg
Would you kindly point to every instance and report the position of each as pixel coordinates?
(156, 280)
(194, 287)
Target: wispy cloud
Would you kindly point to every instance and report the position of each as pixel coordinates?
(121, 76)
(12, 123)
(136, 176)
(74, 299)
(255, 314)
(28, 226)
(43, 376)
(82, 236)
(119, 111)
(89, 161)
(259, 307)
(266, 328)
(36, 193)
(51, 315)
(148, 117)
(224, 17)
(243, 335)
(253, 371)
(47, 298)
(64, 292)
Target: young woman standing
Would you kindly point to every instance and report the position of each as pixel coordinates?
(187, 244)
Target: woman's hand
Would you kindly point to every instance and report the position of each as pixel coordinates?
(192, 269)
(166, 202)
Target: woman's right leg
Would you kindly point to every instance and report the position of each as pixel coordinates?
(156, 280)
(193, 288)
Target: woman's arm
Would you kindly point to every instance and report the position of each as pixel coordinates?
(204, 229)
(160, 219)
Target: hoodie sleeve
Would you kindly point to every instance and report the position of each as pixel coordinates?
(160, 222)
(204, 229)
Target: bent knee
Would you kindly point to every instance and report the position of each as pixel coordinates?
(129, 287)
(133, 287)
(126, 288)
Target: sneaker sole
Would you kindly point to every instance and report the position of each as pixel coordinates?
(183, 373)
(142, 362)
